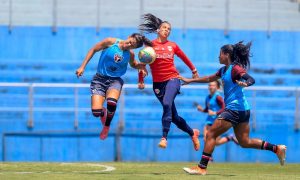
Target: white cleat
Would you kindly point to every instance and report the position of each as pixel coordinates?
(281, 153)
(195, 170)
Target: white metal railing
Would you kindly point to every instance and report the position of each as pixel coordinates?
(31, 91)
(100, 3)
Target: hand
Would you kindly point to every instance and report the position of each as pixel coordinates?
(79, 72)
(195, 75)
(241, 83)
(144, 70)
(185, 80)
(211, 113)
(199, 108)
(141, 85)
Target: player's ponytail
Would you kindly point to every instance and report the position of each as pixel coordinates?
(147, 41)
(239, 53)
(141, 40)
(151, 23)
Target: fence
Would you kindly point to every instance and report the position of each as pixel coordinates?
(55, 12)
(119, 133)
(127, 87)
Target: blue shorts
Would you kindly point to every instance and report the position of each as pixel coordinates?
(235, 117)
(100, 84)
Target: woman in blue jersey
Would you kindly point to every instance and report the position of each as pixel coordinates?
(107, 83)
(237, 111)
(214, 106)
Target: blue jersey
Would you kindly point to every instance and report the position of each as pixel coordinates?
(113, 61)
(212, 104)
(234, 96)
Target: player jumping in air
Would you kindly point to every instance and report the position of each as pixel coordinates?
(237, 111)
(107, 83)
(166, 84)
(214, 106)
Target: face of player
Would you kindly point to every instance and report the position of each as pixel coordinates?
(223, 58)
(212, 87)
(164, 30)
(129, 43)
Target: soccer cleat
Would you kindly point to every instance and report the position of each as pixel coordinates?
(195, 170)
(195, 139)
(231, 137)
(163, 143)
(104, 132)
(281, 153)
(103, 118)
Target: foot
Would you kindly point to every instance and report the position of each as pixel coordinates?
(195, 139)
(104, 132)
(103, 118)
(163, 143)
(195, 170)
(281, 153)
(233, 138)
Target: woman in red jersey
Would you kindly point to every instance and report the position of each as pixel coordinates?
(166, 84)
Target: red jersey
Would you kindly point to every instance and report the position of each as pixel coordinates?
(163, 68)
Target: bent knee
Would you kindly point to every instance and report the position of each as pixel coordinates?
(211, 135)
(167, 106)
(244, 143)
(97, 112)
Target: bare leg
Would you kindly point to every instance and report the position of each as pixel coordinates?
(242, 134)
(221, 140)
(205, 130)
(219, 127)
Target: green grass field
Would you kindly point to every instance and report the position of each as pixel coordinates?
(173, 171)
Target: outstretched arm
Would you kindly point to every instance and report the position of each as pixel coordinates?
(134, 63)
(186, 60)
(205, 79)
(98, 47)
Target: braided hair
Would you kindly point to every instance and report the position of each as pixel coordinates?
(239, 53)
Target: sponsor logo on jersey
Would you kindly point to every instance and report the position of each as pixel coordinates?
(157, 91)
(118, 58)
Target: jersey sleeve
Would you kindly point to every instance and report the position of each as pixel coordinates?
(219, 72)
(221, 103)
(183, 57)
(237, 72)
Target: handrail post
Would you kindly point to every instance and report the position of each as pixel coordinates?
(30, 123)
(120, 128)
(10, 17)
(54, 16)
(76, 107)
(184, 18)
(254, 110)
(297, 118)
(226, 29)
(98, 17)
(269, 19)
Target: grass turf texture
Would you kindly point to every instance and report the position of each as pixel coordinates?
(139, 171)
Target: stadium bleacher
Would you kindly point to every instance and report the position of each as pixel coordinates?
(33, 54)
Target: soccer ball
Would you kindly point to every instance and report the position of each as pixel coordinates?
(147, 55)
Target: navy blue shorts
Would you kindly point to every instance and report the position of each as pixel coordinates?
(100, 84)
(235, 117)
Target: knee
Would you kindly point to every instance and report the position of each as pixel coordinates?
(244, 143)
(210, 135)
(112, 104)
(167, 106)
(97, 112)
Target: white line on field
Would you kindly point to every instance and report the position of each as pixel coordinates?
(107, 169)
